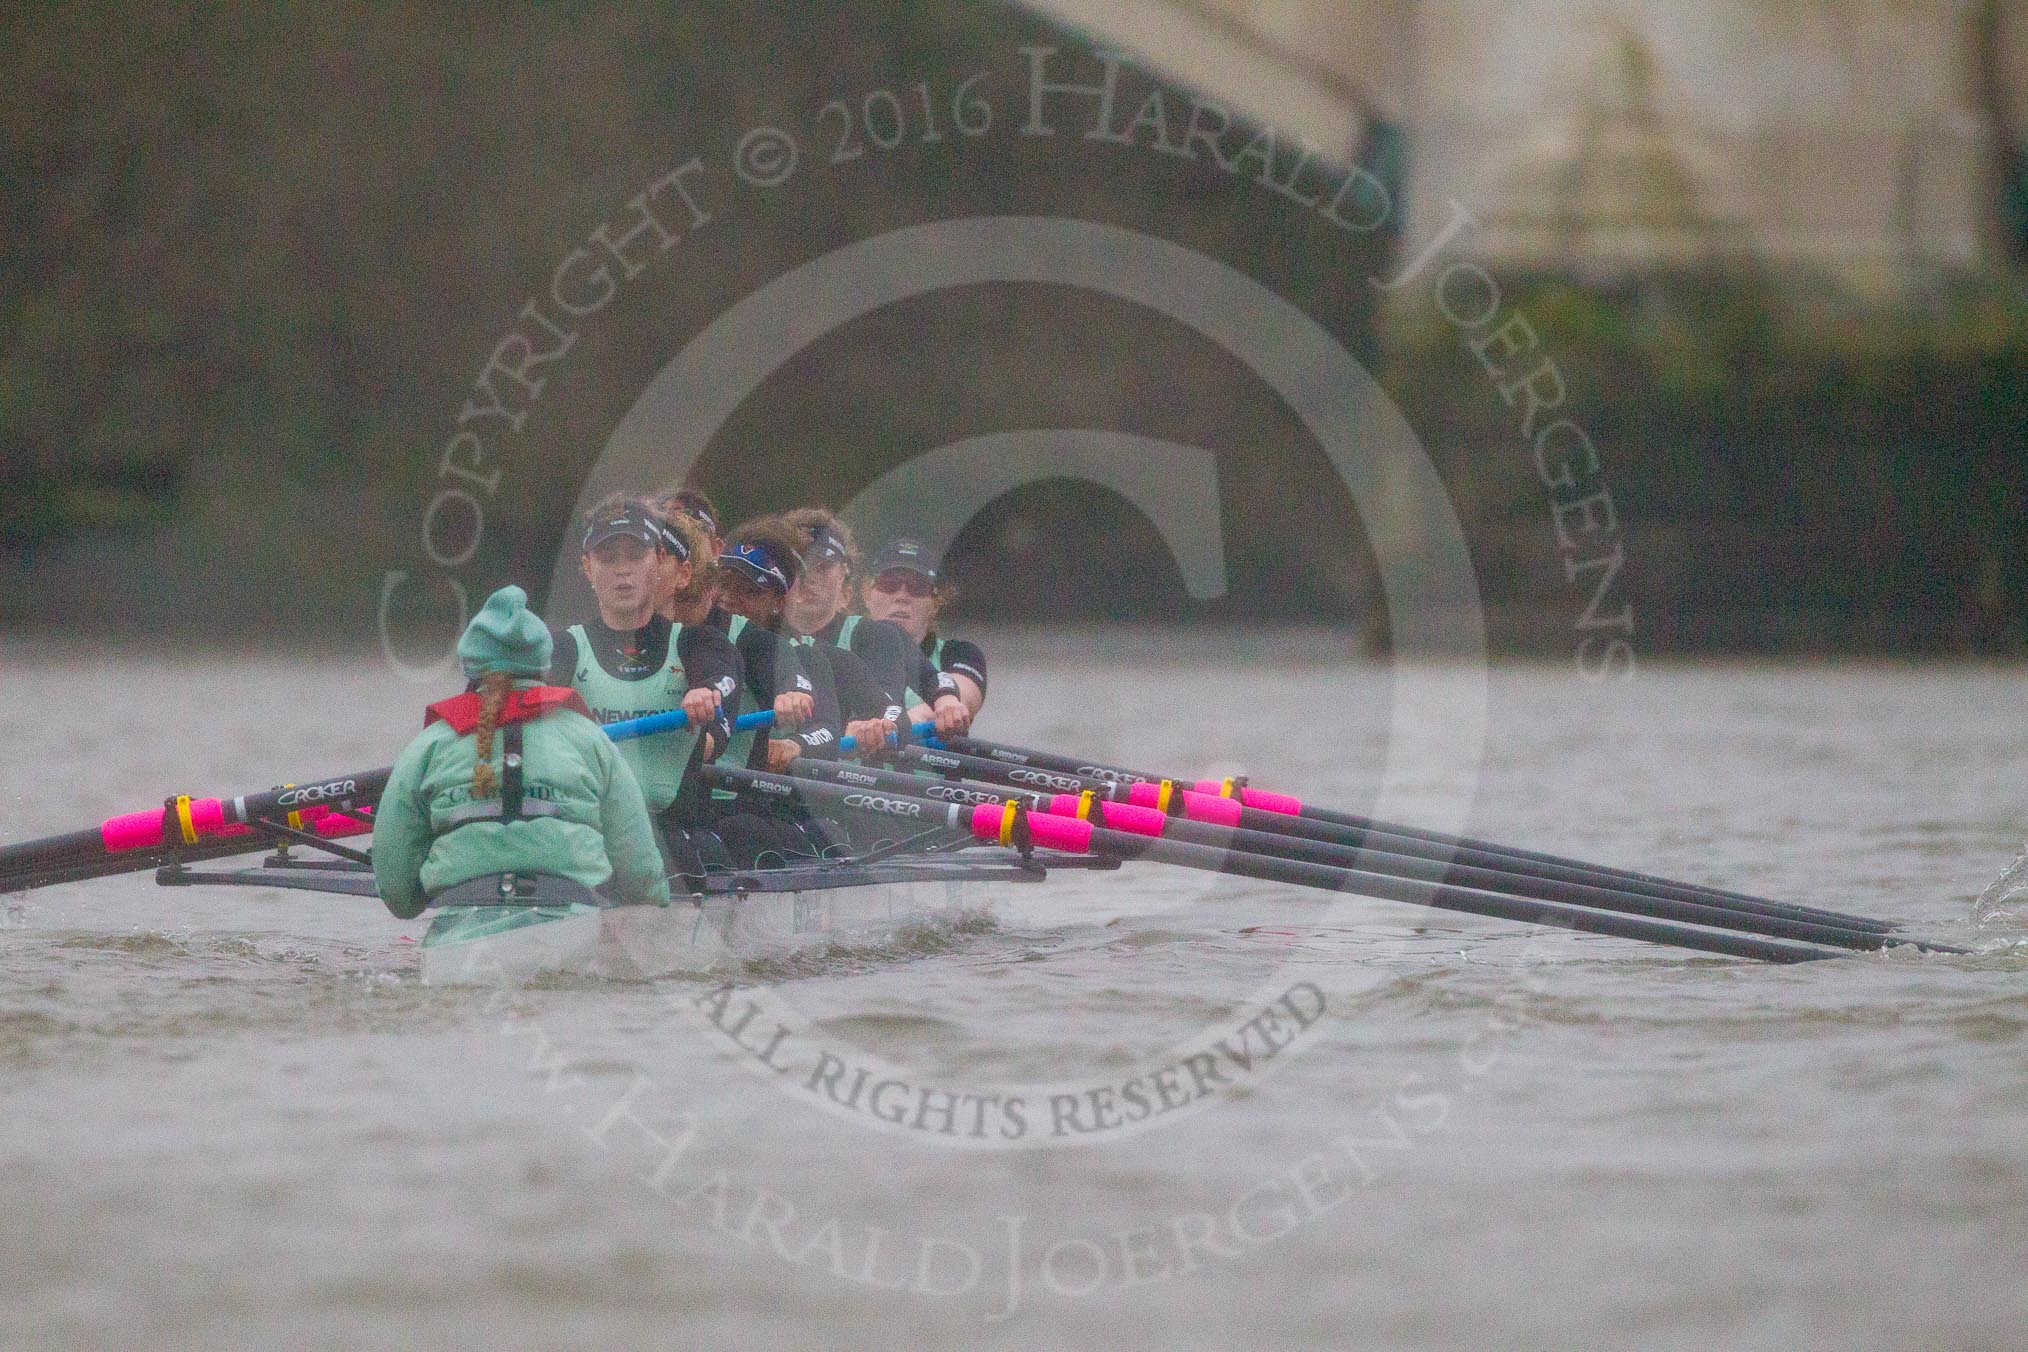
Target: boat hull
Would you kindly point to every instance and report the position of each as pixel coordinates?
(487, 945)
(516, 927)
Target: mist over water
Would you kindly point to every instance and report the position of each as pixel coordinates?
(234, 1117)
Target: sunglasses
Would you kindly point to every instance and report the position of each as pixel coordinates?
(897, 581)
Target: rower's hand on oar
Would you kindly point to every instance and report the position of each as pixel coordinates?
(793, 708)
(952, 717)
(703, 707)
(869, 735)
(782, 752)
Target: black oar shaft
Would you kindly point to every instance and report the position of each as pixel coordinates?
(1120, 845)
(1028, 758)
(1416, 846)
(1420, 869)
(57, 858)
(1404, 864)
(130, 861)
(339, 791)
(1046, 760)
(1444, 897)
(940, 790)
(1354, 822)
(72, 845)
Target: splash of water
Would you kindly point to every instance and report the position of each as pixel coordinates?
(2005, 903)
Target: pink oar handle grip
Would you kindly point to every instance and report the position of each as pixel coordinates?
(1198, 807)
(1142, 821)
(334, 823)
(1283, 803)
(1050, 832)
(144, 830)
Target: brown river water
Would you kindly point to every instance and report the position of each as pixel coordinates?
(1157, 1108)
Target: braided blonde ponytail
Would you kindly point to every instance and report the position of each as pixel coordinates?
(493, 688)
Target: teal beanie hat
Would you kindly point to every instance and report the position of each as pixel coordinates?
(506, 636)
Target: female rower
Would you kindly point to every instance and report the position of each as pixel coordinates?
(755, 575)
(904, 591)
(693, 503)
(511, 777)
(772, 673)
(632, 662)
(817, 611)
(685, 581)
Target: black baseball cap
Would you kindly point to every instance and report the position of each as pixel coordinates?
(629, 523)
(911, 555)
(672, 539)
(692, 504)
(825, 546)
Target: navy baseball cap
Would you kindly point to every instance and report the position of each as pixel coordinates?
(754, 563)
(907, 554)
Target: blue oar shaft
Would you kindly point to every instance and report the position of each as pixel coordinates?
(676, 720)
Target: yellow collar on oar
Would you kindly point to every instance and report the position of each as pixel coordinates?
(188, 826)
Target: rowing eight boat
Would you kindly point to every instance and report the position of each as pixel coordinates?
(991, 814)
(510, 929)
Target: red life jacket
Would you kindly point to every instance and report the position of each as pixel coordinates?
(520, 706)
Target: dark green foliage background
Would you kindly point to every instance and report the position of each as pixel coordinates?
(254, 256)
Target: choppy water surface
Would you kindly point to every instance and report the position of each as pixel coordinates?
(235, 1118)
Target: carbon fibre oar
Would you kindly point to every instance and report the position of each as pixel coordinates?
(1146, 821)
(324, 808)
(1146, 788)
(1226, 812)
(332, 808)
(1010, 824)
(140, 861)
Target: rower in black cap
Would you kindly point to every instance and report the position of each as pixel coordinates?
(903, 589)
(817, 613)
(632, 662)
